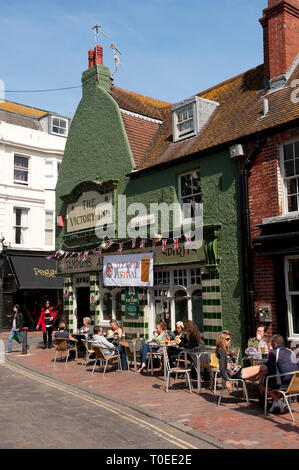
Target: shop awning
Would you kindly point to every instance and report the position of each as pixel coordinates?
(35, 272)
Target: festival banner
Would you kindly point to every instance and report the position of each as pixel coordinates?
(128, 270)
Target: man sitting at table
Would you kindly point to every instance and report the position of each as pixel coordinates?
(108, 348)
(259, 340)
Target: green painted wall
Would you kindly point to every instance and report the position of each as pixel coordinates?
(98, 149)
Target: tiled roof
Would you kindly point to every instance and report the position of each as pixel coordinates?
(143, 120)
(19, 120)
(22, 109)
(239, 115)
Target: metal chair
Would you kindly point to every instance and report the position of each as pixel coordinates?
(61, 346)
(174, 370)
(89, 352)
(235, 381)
(100, 356)
(292, 390)
(215, 372)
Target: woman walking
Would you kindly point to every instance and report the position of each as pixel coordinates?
(16, 327)
(46, 318)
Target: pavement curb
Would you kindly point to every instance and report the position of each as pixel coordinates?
(179, 426)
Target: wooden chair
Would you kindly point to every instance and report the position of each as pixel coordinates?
(100, 356)
(89, 352)
(61, 347)
(292, 390)
(174, 370)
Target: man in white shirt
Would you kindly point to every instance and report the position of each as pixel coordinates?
(108, 348)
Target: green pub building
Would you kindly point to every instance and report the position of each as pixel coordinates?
(126, 156)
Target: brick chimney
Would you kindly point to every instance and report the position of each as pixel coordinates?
(95, 56)
(280, 24)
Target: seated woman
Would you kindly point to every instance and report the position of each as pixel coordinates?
(189, 340)
(63, 333)
(176, 335)
(160, 335)
(229, 369)
(115, 332)
(86, 329)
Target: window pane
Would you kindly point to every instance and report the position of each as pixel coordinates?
(297, 149)
(21, 161)
(288, 151)
(197, 314)
(181, 311)
(292, 203)
(48, 237)
(293, 274)
(289, 168)
(18, 213)
(107, 306)
(292, 186)
(295, 313)
(49, 220)
(196, 181)
(186, 185)
(297, 166)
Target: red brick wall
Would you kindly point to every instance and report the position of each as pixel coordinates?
(264, 201)
(281, 31)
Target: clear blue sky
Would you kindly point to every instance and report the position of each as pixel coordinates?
(170, 49)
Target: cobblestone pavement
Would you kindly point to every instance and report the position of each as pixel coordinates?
(232, 423)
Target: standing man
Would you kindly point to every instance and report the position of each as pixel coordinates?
(46, 318)
(16, 328)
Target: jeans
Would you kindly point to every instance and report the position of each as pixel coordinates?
(144, 350)
(123, 357)
(11, 337)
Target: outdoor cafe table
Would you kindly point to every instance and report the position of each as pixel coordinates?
(134, 346)
(201, 355)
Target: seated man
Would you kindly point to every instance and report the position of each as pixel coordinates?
(281, 360)
(259, 340)
(108, 348)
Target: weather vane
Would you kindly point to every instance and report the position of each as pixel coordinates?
(116, 53)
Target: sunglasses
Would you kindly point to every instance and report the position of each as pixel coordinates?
(227, 339)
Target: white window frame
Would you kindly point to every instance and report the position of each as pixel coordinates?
(15, 226)
(49, 230)
(23, 183)
(291, 335)
(286, 179)
(59, 127)
(190, 219)
(50, 181)
(176, 109)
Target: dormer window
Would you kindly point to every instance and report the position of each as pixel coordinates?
(59, 125)
(189, 116)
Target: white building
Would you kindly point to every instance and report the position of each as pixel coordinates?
(32, 144)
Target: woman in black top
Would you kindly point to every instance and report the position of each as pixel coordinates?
(228, 367)
(189, 340)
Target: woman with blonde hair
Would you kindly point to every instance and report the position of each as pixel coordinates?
(228, 368)
(86, 328)
(115, 330)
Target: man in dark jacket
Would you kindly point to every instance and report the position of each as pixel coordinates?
(281, 360)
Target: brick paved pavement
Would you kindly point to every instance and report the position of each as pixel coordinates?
(232, 423)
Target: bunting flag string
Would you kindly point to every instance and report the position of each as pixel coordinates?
(105, 245)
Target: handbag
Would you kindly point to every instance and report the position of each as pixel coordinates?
(18, 338)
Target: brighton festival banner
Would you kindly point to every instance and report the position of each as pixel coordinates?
(128, 270)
